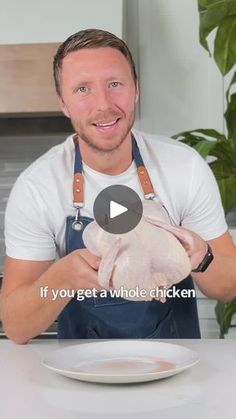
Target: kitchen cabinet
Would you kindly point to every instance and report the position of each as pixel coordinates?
(26, 79)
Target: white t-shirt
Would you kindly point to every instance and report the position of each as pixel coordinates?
(42, 197)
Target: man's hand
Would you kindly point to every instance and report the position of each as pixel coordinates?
(219, 279)
(21, 302)
(194, 245)
(79, 268)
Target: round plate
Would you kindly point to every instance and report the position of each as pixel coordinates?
(128, 361)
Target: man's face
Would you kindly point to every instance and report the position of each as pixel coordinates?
(98, 94)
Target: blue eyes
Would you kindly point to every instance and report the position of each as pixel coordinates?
(82, 89)
(85, 89)
(115, 84)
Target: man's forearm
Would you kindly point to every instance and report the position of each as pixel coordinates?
(219, 280)
(27, 313)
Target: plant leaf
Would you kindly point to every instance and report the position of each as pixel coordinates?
(188, 138)
(226, 319)
(228, 198)
(220, 312)
(224, 314)
(212, 13)
(225, 153)
(227, 185)
(225, 45)
(230, 117)
(202, 144)
(233, 81)
(207, 3)
(204, 147)
(210, 133)
(223, 168)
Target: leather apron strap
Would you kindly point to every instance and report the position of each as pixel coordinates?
(78, 183)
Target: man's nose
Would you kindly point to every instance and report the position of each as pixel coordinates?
(102, 97)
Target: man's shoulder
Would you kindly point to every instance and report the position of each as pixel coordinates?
(56, 158)
(162, 145)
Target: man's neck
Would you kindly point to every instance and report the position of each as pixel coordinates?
(109, 163)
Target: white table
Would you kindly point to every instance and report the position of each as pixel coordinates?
(30, 391)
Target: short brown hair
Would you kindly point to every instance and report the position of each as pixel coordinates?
(89, 38)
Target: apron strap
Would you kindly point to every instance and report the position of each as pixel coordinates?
(143, 175)
(78, 183)
(78, 190)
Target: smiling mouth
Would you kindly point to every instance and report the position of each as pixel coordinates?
(105, 125)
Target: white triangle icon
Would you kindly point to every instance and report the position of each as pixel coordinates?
(116, 209)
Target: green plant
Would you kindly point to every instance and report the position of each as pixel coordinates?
(220, 15)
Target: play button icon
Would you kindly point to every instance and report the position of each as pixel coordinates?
(118, 209)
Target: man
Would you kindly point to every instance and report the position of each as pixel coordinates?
(98, 90)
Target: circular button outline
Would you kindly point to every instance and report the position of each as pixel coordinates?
(124, 196)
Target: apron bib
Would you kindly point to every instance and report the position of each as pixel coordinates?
(115, 317)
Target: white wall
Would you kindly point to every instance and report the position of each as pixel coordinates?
(32, 21)
(181, 87)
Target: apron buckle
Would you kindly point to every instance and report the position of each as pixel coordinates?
(77, 225)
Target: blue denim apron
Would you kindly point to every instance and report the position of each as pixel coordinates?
(115, 317)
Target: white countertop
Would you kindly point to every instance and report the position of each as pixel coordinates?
(28, 390)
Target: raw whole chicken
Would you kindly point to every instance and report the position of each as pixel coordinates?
(149, 256)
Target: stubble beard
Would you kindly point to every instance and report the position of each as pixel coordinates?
(93, 144)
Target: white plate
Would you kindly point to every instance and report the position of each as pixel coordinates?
(128, 361)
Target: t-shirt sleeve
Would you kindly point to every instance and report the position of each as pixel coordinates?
(204, 211)
(28, 235)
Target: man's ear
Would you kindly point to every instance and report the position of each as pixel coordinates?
(63, 107)
(137, 92)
